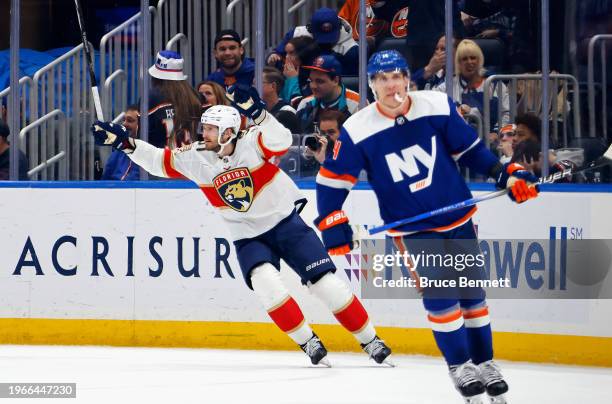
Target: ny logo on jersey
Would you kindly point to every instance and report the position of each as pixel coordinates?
(407, 164)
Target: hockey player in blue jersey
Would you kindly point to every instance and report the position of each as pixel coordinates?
(410, 145)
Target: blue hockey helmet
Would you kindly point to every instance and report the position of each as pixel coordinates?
(387, 61)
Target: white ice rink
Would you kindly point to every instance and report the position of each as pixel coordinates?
(145, 375)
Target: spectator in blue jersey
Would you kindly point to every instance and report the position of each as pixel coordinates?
(410, 144)
(234, 67)
(328, 92)
(434, 73)
(119, 167)
(333, 34)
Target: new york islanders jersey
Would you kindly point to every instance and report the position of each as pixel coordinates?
(251, 194)
(411, 162)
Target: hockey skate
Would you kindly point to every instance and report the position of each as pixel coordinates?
(467, 381)
(494, 382)
(316, 351)
(379, 351)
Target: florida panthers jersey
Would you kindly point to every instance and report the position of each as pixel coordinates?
(411, 162)
(251, 194)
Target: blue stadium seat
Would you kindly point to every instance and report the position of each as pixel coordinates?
(494, 52)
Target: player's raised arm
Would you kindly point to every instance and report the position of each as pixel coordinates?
(273, 139)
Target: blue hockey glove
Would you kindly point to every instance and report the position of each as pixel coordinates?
(112, 134)
(247, 101)
(520, 183)
(336, 233)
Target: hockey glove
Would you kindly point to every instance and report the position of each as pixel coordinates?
(247, 101)
(336, 233)
(112, 134)
(520, 183)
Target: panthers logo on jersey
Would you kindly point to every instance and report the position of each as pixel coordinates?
(235, 187)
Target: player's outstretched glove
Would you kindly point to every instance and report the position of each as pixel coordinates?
(336, 232)
(247, 101)
(113, 134)
(520, 183)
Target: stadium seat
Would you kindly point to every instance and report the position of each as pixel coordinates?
(399, 44)
(494, 52)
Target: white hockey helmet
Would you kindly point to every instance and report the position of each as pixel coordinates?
(223, 117)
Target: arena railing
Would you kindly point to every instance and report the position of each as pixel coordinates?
(64, 85)
(119, 51)
(558, 110)
(25, 84)
(601, 39)
(53, 148)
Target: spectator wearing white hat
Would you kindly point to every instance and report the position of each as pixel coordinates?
(173, 103)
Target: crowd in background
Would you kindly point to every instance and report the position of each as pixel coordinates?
(309, 82)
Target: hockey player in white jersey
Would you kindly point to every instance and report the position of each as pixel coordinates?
(409, 145)
(257, 201)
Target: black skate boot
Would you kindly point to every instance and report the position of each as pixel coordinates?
(467, 381)
(316, 351)
(378, 350)
(494, 382)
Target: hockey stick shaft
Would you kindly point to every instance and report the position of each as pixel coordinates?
(92, 75)
(601, 162)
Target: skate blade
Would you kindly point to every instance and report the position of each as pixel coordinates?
(479, 399)
(388, 362)
(501, 399)
(324, 362)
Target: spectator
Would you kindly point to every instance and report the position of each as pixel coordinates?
(507, 142)
(300, 51)
(328, 92)
(434, 73)
(174, 106)
(211, 94)
(426, 22)
(329, 130)
(119, 167)
(506, 20)
(528, 153)
(383, 18)
(273, 83)
(468, 85)
(233, 66)
(333, 35)
(528, 127)
(5, 156)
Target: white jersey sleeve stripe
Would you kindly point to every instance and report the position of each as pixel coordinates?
(457, 156)
(334, 183)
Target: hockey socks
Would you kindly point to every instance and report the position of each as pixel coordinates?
(345, 306)
(478, 330)
(450, 335)
(281, 307)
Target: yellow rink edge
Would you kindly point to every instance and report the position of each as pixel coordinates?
(541, 348)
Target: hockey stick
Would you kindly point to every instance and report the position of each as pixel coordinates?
(92, 75)
(600, 162)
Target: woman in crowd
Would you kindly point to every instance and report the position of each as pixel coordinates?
(174, 106)
(468, 86)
